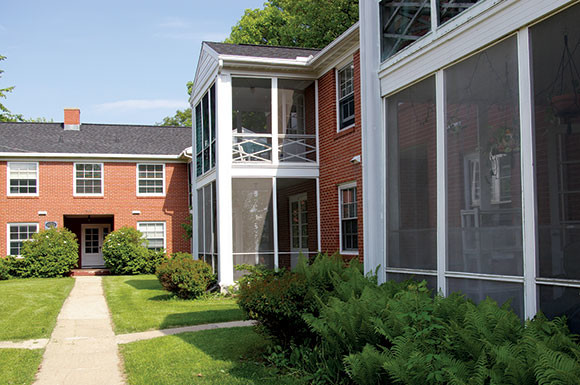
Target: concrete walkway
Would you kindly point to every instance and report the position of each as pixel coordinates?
(82, 348)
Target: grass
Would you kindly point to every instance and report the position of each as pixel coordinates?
(221, 356)
(139, 303)
(18, 366)
(29, 307)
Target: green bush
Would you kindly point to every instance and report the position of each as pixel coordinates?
(4, 269)
(49, 253)
(153, 259)
(185, 277)
(278, 301)
(124, 251)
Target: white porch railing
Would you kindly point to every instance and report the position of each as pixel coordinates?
(252, 148)
(297, 148)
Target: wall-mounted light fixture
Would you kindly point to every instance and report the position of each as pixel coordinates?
(42, 213)
(355, 159)
(136, 212)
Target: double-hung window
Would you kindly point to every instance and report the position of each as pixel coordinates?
(346, 96)
(151, 179)
(154, 233)
(348, 218)
(88, 179)
(23, 178)
(18, 233)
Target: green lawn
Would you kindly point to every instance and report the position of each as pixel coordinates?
(18, 366)
(28, 307)
(139, 303)
(221, 356)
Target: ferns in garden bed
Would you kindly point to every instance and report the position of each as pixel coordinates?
(398, 333)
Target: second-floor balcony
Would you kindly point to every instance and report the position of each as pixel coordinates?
(257, 137)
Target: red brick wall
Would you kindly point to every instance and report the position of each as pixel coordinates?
(336, 151)
(119, 200)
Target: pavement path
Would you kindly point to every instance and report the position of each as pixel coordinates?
(82, 348)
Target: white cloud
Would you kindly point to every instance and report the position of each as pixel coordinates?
(143, 104)
(174, 23)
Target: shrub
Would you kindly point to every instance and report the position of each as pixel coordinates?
(153, 259)
(278, 301)
(49, 253)
(185, 277)
(124, 251)
(4, 269)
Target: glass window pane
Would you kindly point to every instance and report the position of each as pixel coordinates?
(252, 105)
(412, 173)
(501, 292)
(448, 9)
(207, 218)
(252, 219)
(483, 163)
(556, 78)
(402, 23)
(200, 222)
(556, 301)
(212, 112)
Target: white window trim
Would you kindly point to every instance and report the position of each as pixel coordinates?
(75, 180)
(155, 223)
(8, 193)
(137, 180)
(341, 187)
(337, 70)
(8, 232)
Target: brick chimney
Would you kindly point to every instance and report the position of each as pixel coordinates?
(72, 119)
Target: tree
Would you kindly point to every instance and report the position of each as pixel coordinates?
(181, 117)
(295, 23)
(5, 114)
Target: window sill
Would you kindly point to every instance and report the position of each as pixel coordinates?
(349, 253)
(150, 196)
(89, 196)
(345, 131)
(22, 196)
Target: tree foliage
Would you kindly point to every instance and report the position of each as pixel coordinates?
(295, 23)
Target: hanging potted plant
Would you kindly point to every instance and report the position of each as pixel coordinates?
(565, 90)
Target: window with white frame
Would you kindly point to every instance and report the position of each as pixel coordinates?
(346, 96)
(88, 179)
(22, 178)
(17, 234)
(154, 233)
(348, 218)
(150, 179)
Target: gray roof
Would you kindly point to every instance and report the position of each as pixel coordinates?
(261, 50)
(94, 139)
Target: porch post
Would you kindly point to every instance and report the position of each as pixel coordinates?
(224, 179)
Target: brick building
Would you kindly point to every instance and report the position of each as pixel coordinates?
(277, 149)
(93, 179)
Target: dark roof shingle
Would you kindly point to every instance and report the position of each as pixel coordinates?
(265, 51)
(94, 139)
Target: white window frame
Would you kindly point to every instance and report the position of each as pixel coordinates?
(8, 225)
(337, 71)
(8, 178)
(102, 193)
(139, 224)
(346, 186)
(161, 194)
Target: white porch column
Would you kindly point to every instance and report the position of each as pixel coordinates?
(224, 179)
(373, 141)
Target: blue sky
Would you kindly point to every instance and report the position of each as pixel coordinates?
(123, 61)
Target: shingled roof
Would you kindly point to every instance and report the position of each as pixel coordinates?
(265, 51)
(26, 137)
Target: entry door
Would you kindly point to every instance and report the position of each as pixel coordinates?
(298, 227)
(92, 242)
